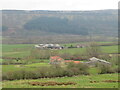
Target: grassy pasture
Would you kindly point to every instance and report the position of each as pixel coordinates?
(12, 47)
(106, 49)
(16, 50)
(22, 50)
(69, 44)
(37, 64)
(7, 68)
(82, 82)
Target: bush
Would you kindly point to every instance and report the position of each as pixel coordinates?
(114, 60)
(105, 69)
(12, 75)
(83, 68)
(93, 50)
(47, 72)
(40, 54)
(43, 53)
(68, 72)
(117, 69)
(20, 74)
(78, 68)
(53, 71)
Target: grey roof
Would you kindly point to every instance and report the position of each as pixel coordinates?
(100, 60)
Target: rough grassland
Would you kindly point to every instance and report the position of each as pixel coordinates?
(22, 50)
(82, 82)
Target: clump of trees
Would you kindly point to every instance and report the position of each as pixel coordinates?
(56, 25)
(103, 68)
(47, 72)
(43, 53)
(93, 50)
(108, 68)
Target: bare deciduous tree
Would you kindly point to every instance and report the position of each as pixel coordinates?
(93, 50)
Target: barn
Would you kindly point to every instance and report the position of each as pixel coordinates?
(56, 60)
(59, 60)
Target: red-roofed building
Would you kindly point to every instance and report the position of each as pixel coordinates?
(56, 60)
(77, 62)
(67, 61)
(59, 60)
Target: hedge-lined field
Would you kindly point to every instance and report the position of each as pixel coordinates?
(106, 49)
(23, 50)
(7, 68)
(90, 81)
(29, 71)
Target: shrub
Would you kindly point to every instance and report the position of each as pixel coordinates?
(53, 71)
(75, 71)
(93, 50)
(47, 72)
(42, 53)
(12, 75)
(79, 68)
(4, 76)
(70, 65)
(105, 69)
(117, 69)
(68, 72)
(83, 68)
(43, 71)
(114, 60)
(59, 72)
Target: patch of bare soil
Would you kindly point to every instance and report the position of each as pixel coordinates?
(94, 81)
(111, 81)
(108, 81)
(51, 83)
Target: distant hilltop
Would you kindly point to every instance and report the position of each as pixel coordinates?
(42, 23)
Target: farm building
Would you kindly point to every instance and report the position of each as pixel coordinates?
(94, 60)
(67, 61)
(59, 60)
(49, 46)
(77, 62)
(56, 60)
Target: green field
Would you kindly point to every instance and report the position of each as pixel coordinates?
(82, 82)
(106, 49)
(16, 50)
(12, 47)
(73, 44)
(7, 68)
(23, 50)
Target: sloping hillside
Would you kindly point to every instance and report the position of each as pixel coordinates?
(35, 26)
(62, 22)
